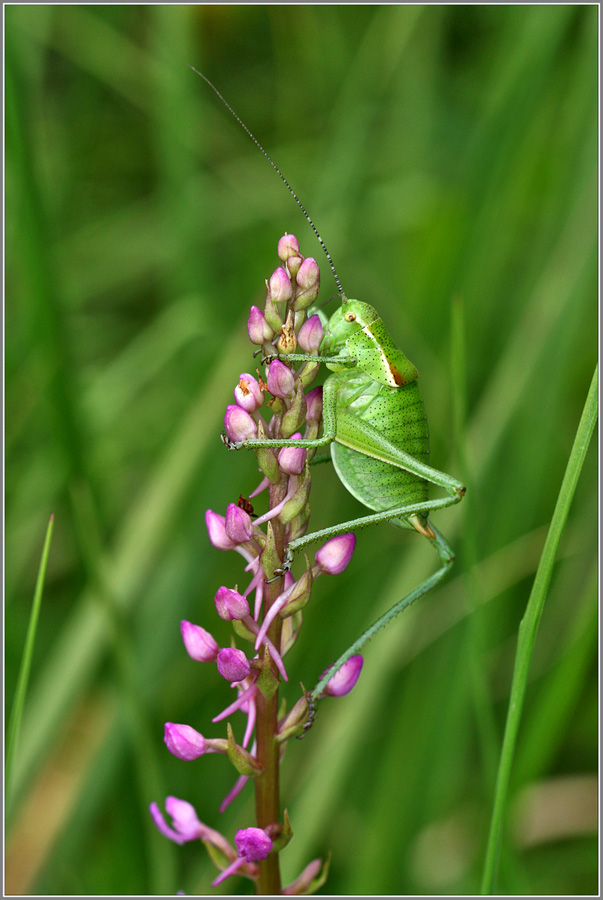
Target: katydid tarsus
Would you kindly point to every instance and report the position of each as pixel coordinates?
(375, 426)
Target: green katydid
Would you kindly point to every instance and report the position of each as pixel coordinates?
(375, 426)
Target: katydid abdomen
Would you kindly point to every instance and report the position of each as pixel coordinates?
(399, 415)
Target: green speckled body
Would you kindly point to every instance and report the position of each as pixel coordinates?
(381, 389)
(399, 415)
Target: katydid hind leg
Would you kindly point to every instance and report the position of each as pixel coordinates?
(396, 512)
(446, 558)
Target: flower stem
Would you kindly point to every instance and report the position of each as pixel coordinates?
(267, 803)
(267, 788)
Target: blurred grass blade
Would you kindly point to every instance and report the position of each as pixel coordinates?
(529, 627)
(14, 725)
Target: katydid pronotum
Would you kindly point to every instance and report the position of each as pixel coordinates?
(375, 426)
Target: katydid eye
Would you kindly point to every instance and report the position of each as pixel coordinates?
(350, 317)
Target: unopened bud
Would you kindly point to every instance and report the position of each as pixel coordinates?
(334, 556)
(258, 328)
(233, 665)
(199, 643)
(280, 286)
(217, 531)
(292, 459)
(345, 680)
(308, 284)
(253, 843)
(238, 524)
(310, 334)
(280, 379)
(183, 741)
(288, 246)
(314, 405)
(230, 605)
(238, 424)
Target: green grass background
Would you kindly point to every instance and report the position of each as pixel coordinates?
(448, 155)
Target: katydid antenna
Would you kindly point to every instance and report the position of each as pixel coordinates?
(279, 173)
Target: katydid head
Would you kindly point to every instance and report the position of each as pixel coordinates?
(352, 316)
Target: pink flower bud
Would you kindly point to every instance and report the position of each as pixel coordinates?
(253, 843)
(288, 246)
(258, 329)
(314, 405)
(198, 642)
(280, 286)
(309, 274)
(183, 741)
(238, 524)
(345, 680)
(248, 394)
(238, 424)
(217, 531)
(280, 379)
(231, 605)
(292, 459)
(334, 556)
(233, 665)
(310, 334)
(308, 281)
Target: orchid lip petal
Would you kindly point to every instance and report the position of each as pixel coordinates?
(241, 699)
(230, 870)
(163, 827)
(236, 790)
(279, 507)
(276, 656)
(271, 614)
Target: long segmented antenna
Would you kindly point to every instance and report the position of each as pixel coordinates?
(280, 174)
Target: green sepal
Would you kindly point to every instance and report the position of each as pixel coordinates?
(300, 593)
(266, 458)
(219, 859)
(295, 416)
(295, 505)
(308, 373)
(299, 318)
(267, 681)
(294, 722)
(289, 632)
(271, 313)
(269, 558)
(305, 298)
(241, 630)
(280, 835)
(243, 761)
(320, 879)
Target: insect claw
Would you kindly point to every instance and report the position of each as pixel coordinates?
(282, 570)
(231, 445)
